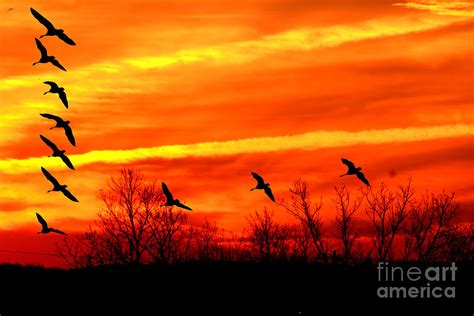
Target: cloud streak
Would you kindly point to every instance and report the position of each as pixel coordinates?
(307, 141)
(303, 39)
(453, 8)
(295, 40)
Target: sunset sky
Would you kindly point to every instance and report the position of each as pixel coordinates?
(200, 93)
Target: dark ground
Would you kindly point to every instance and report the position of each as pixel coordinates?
(217, 288)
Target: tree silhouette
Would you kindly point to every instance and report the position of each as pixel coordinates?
(429, 222)
(89, 249)
(124, 219)
(302, 248)
(208, 242)
(387, 210)
(307, 213)
(346, 232)
(169, 240)
(460, 244)
(268, 239)
(134, 228)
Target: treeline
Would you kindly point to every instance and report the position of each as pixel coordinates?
(133, 228)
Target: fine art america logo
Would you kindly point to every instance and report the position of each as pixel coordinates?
(415, 282)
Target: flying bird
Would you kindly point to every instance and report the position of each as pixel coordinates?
(44, 227)
(353, 170)
(57, 186)
(54, 88)
(52, 31)
(45, 58)
(60, 123)
(170, 201)
(261, 185)
(57, 152)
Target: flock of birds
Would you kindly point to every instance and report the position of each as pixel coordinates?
(60, 123)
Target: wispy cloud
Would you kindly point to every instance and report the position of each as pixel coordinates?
(245, 51)
(453, 8)
(293, 40)
(307, 141)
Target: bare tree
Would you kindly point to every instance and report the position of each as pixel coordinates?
(301, 247)
(90, 249)
(268, 238)
(346, 232)
(132, 228)
(73, 251)
(208, 242)
(460, 244)
(307, 213)
(430, 223)
(235, 247)
(387, 210)
(123, 221)
(169, 240)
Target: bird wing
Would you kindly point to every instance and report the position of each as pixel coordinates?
(57, 64)
(166, 192)
(69, 135)
(41, 48)
(269, 192)
(62, 96)
(49, 143)
(69, 195)
(179, 204)
(362, 178)
(348, 163)
(67, 161)
(52, 84)
(50, 177)
(66, 39)
(58, 231)
(258, 178)
(42, 19)
(41, 221)
(52, 117)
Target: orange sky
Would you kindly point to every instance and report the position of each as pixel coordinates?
(200, 94)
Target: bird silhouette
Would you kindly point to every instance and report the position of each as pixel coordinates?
(261, 185)
(57, 152)
(60, 123)
(352, 170)
(44, 227)
(170, 201)
(45, 58)
(54, 88)
(57, 186)
(52, 31)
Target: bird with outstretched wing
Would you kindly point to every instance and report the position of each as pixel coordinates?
(45, 58)
(170, 201)
(57, 186)
(57, 152)
(353, 170)
(44, 227)
(59, 90)
(52, 31)
(60, 123)
(261, 185)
